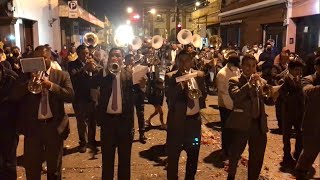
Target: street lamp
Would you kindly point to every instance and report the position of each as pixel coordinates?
(197, 3)
(129, 10)
(153, 11)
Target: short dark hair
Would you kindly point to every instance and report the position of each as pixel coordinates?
(247, 57)
(183, 55)
(81, 48)
(295, 63)
(40, 49)
(116, 49)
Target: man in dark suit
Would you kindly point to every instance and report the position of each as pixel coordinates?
(171, 55)
(115, 114)
(184, 120)
(82, 72)
(43, 119)
(310, 62)
(291, 97)
(247, 120)
(8, 136)
(310, 123)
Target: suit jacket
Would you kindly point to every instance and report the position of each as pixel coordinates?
(311, 89)
(292, 100)
(61, 92)
(105, 84)
(81, 82)
(177, 104)
(242, 95)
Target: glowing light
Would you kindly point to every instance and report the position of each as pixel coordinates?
(137, 16)
(11, 37)
(179, 25)
(124, 34)
(129, 10)
(153, 11)
(197, 3)
(128, 22)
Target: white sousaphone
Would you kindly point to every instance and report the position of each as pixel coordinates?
(184, 37)
(196, 40)
(136, 43)
(90, 39)
(156, 42)
(118, 42)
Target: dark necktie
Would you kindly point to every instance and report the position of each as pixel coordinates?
(255, 105)
(114, 105)
(44, 100)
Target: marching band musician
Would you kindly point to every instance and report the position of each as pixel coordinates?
(171, 55)
(115, 114)
(277, 73)
(43, 119)
(231, 69)
(184, 121)
(138, 58)
(248, 119)
(138, 99)
(81, 72)
(292, 102)
(310, 123)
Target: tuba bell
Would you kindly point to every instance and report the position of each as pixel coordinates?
(215, 41)
(156, 42)
(196, 40)
(136, 43)
(184, 37)
(90, 39)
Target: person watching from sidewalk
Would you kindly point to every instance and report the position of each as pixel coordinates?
(184, 120)
(43, 120)
(231, 69)
(82, 72)
(310, 123)
(248, 119)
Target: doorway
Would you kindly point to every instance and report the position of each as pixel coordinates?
(276, 32)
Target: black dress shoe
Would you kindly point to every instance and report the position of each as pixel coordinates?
(143, 139)
(82, 149)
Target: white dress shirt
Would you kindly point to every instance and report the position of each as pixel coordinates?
(119, 98)
(49, 113)
(173, 56)
(223, 76)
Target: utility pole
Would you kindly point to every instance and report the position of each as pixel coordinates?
(177, 18)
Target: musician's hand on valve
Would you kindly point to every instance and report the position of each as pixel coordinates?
(90, 65)
(46, 83)
(254, 79)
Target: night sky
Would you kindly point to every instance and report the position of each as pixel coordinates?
(113, 9)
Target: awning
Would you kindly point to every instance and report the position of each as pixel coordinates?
(83, 14)
(252, 7)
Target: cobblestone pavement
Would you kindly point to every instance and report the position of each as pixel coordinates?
(148, 159)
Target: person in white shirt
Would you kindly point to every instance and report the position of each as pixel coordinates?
(231, 69)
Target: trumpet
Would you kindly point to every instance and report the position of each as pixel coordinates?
(193, 89)
(114, 68)
(267, 90)
(34, 85)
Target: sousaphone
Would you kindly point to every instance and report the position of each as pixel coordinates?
(90, 39)
(156, 42)
(184, 37)
(196, 40)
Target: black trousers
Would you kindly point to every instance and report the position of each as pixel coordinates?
(48, 146)
(226, 133)
(191, 144)
(116, 133)
(287, 132)
(8, 160)
(257, 145)
(138, 98)
(279, 114)
(311, 149)
(86, 124)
